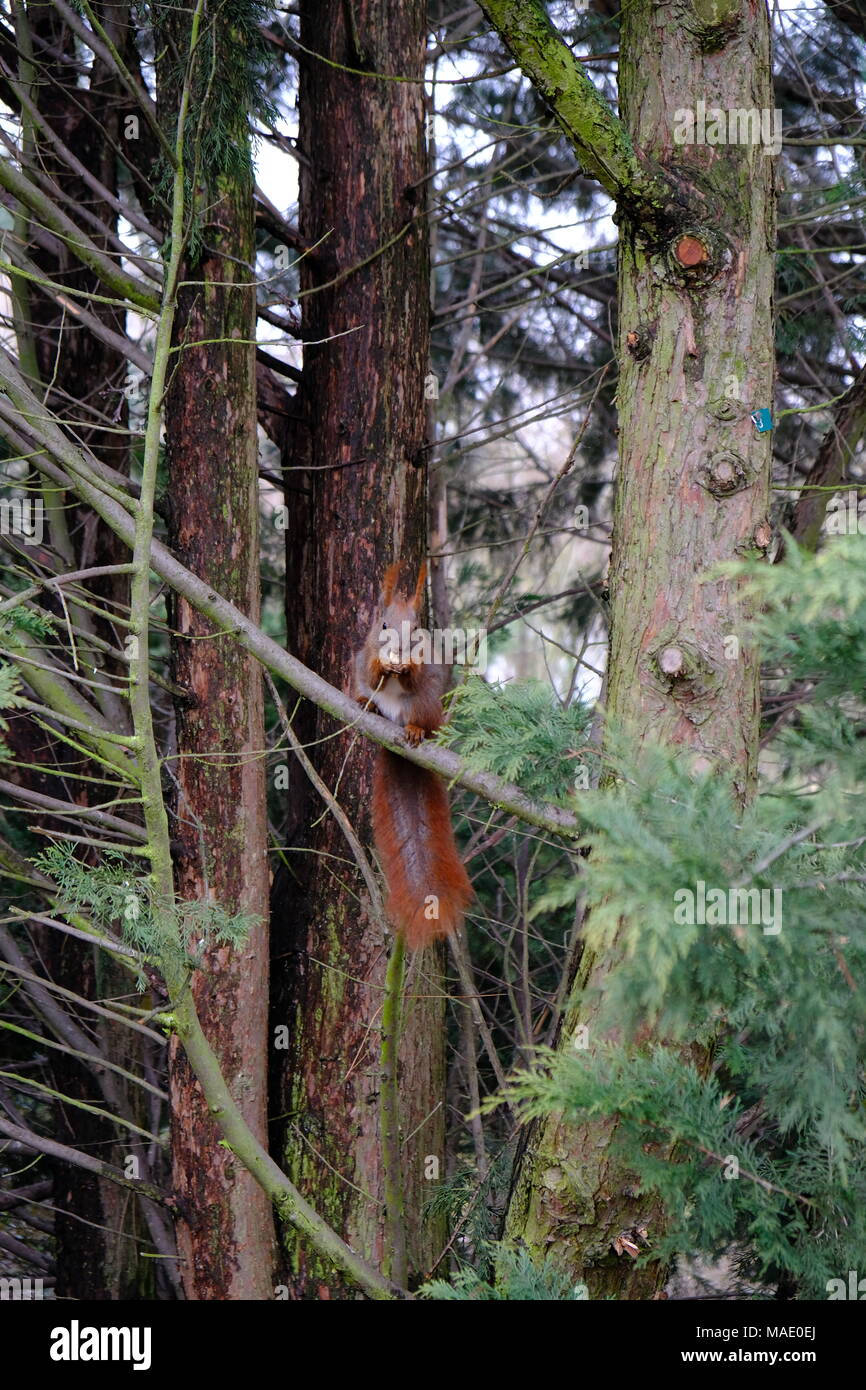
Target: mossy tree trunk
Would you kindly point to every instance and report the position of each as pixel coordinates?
(695, 355)
(361, 505)
(225, 1228)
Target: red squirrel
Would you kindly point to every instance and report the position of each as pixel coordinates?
(428, 890)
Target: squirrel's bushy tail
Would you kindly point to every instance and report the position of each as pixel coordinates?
(428, 889)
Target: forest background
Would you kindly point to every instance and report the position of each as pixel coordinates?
(568, 299)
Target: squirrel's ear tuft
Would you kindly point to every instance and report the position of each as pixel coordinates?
(392, 574)
(419, 587)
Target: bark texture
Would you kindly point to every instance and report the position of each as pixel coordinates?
(362, 505)
(696, 357)
(225, 1231)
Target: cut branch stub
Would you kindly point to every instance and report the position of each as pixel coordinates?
(724, 473)
(685, 674)
(713, 22)
(691, 251)
(696, 255)
(639, 342)
(672, 662)
(727, 410)
(763, 535)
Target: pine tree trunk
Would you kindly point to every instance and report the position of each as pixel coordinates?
(695, 357)
(225, 1229)
(363, 505)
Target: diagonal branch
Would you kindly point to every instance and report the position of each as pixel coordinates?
(597, 136)
(50, 215)
(227, 618)
(38, 1143)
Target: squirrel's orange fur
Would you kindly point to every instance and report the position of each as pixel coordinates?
(428, 890)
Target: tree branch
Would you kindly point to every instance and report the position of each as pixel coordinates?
(228, 619)
(597, 136)
(39, 1144)
(50, 215)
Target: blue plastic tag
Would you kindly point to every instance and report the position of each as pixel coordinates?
(762, 420)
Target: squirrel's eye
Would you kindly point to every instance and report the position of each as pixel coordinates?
(384, 627)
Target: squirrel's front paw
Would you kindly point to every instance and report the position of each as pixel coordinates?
(414, 734)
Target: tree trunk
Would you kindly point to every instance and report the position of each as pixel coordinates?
(696, 357)
(363, 207)
(225, 1231)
